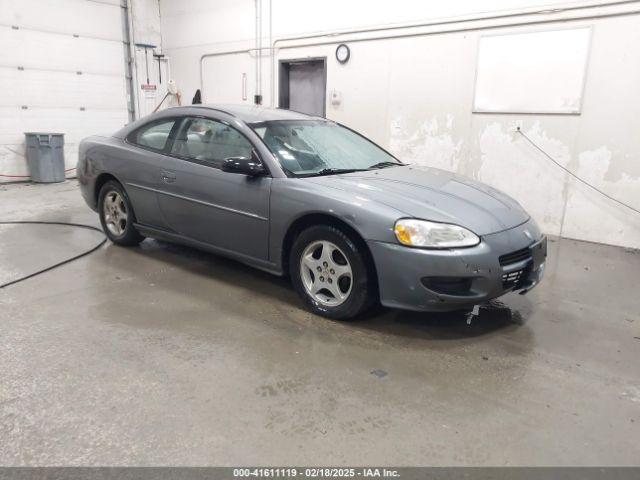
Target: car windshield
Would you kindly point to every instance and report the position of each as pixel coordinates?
(316, 147)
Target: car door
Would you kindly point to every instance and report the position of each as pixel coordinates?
(139, 168)
(200, 201)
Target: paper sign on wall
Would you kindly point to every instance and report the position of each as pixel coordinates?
(149, 90)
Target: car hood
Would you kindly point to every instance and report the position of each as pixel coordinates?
(433, 194)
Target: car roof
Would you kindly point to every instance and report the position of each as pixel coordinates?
(249, 114)
(255, 113)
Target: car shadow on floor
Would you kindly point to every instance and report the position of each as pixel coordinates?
(493, 317)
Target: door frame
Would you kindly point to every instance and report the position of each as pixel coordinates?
(283, 80)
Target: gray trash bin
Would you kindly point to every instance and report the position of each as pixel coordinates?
(45, 156)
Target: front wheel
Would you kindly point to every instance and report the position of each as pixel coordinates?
(330, 272)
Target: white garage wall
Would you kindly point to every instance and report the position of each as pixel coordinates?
(414, 94)
(61, 70)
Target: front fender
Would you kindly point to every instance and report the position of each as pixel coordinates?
(292, 199)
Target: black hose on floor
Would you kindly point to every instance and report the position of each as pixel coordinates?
(68, 260)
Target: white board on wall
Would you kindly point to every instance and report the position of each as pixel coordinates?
(533, 72)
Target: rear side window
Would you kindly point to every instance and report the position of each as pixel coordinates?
(153, 136)
(210, 141)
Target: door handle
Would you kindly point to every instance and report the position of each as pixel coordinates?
(167, 177)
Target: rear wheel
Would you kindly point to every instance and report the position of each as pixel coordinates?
(116, 215)
(330, 272)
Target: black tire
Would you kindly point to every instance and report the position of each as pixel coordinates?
(363, 293)
(129, 236)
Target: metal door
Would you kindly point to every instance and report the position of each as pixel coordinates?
(303, 86)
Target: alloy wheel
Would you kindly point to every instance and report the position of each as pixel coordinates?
(115, 213)
(326, 273)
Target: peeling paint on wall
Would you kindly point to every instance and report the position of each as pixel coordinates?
(511, 165)
(500, 158)
(431, 143)
(590, 215)
(560, 204)
(594, 164)
(497, 155)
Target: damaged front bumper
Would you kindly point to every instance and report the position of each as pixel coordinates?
(453, 279)
(537, 266)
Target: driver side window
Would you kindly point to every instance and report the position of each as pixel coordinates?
(209, 141)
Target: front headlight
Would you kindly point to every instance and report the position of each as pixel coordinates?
(421, 233)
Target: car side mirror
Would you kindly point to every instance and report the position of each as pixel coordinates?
(246, 166)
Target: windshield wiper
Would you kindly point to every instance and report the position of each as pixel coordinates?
(385, 164)
(335, 171)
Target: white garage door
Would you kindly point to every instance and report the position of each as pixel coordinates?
(62, 69)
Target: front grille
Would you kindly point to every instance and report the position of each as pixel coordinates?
(514, 257)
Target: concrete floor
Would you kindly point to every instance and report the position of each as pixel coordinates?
(165, 355)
